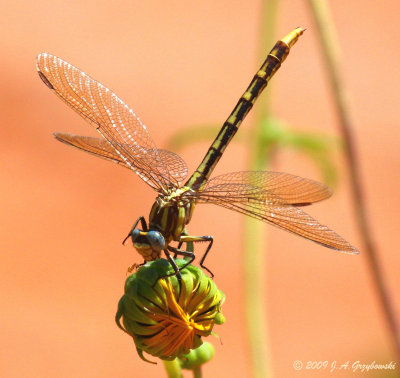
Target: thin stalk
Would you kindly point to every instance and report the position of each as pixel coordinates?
(329, 46)
(197, 372)
(253, 237)
(173, 368)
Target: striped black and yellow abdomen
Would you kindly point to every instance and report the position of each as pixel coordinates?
(274, 60)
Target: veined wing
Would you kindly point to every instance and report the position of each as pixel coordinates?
(111, 117)
(100, 147)
(296, 221)
(274, 198)
(264, 187)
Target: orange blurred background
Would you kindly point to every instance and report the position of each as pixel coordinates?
(177, 63)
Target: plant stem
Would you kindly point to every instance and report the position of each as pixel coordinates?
(173, 368)
(254, 253)
(197, 372)
(321, 14)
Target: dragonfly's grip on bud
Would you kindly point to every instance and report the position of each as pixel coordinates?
(293, 36)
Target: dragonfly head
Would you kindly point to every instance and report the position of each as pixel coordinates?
(156, 240)
(149, 244)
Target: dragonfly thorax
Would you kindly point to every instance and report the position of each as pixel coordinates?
(171, 212)
(174, 197)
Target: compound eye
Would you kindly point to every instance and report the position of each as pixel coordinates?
(135, 234)
(156, 240)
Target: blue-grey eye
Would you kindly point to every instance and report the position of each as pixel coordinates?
(135, 234)
(156, 240)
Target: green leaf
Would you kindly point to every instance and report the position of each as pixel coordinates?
(276, 136)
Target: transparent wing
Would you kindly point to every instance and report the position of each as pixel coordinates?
(110, 116)
(264, 187)
(274, 197)
(101, 148)
(294, 220)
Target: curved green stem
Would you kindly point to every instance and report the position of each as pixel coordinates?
(254, 253)
(329, 46)
(173, 368)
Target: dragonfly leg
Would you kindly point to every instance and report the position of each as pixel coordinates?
(205, 255)
(144, 227)
(179, 247)
(178, 251)
(209, 239)
(189, 245)
(174, 266)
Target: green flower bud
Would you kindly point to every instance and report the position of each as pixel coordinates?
(165, 318)
(197, 357)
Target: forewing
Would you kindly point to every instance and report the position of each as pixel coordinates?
(111, 117)
(176, 166)
(101, 148)
(263, 187)
(296, 221)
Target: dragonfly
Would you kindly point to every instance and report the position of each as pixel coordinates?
(272, 197)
